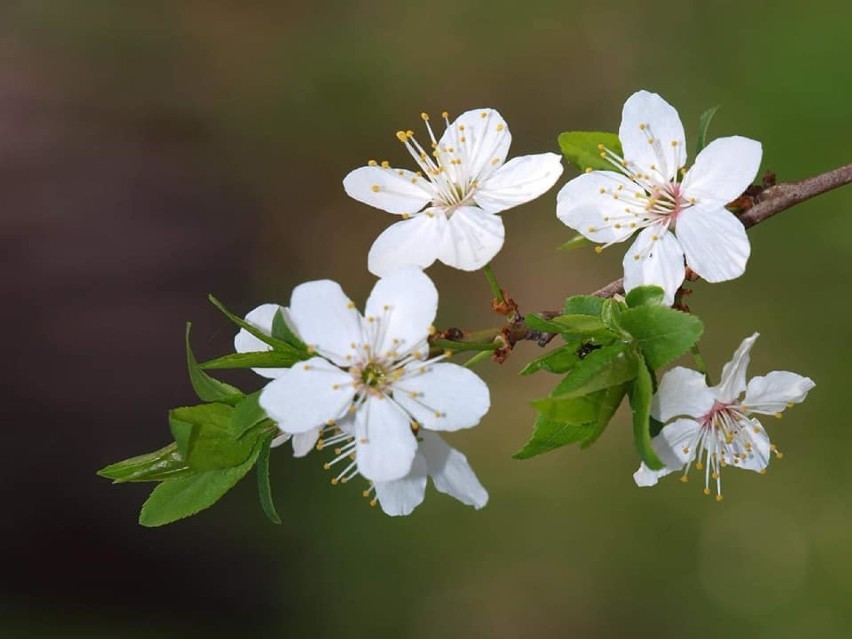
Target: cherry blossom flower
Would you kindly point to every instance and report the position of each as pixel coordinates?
(375, 371)
(674, 219)
(450, 206)
(711, 428)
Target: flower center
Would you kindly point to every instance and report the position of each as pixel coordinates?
(374, 376)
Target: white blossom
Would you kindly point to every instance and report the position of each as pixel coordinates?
(714, 427)
(374, 372)
(675, 220)
(450, 206)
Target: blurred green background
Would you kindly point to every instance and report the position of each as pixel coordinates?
(153, 152)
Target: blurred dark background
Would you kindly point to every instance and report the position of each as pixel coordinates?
(153, 152)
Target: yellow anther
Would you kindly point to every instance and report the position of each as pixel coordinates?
(409, 134)
(484, 114)
(445, 114)
(495, 161)
(601, 147)
(762, 471)
(602, 190)
(715, 475)
(462, 139)
(615, 196)
(335, 387)
(642, 127)
(432, 329)
(617, 226)
(372, 163)
(385, 164)
(592, 229)
(437, 414)
(366, 493)
(425, 116)
(699, 466)
(310, 349)
(719, 497)
(598, 250)
(637, 256)
(632, 225)
(373, 502)
(501, 126)
(706, 491)
(461, 127)
(686, 450)
(790, 404)
(651, 141)
(448, 353)
(603, 155)
(334, 482)
(684, 478)
(326, 466)
(589, 169)
(308, 367)
(400, 135)
(674, 142)
(778, 415)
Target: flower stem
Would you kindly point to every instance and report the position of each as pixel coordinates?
(496, 291)
(473, 361)
(699, 364)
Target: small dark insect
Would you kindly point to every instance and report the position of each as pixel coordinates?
(586, 348)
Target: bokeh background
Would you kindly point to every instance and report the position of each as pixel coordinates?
(152, 152)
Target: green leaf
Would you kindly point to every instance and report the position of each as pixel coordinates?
(703, 125)
(559, 360)
(578, 241)
(663, 334)
(640, 404)
(182, 433)
(274, 342)
(584, 305)
(247, 414)
(607, 366)
(260, 359)
(175, 499)
(207, 388)
(549, 434)
(264, 489)
(582, 149)
(610, 401)
(280, 330)
(538, 323)
(575, 326)
(212, 443)
(159, 465)
(611, 315)
(573, 410)
(645, 296)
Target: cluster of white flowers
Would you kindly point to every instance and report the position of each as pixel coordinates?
(375, 394)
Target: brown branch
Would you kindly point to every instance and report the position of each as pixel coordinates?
(757, 205)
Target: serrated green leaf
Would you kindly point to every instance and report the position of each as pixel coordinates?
(703, 125)
(610, 401)
(578, 241)
(582, 148)
(597, 409)
(182, 433)
(559, 360)
(175, 499)
(157, 466)
(573, 410)
(212, 444)
(259, 359)
(610, 315)
(610, 365)
(645, 296)
(247, 414)
(583, 305)
(264, 489)
(274, 342)
(280, 330)
(538, 323)
(207, 388)
(663, 334)
(640, 404)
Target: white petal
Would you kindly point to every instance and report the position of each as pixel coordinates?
(401, 496)
(682, 392)
(392, 190)
(307, 395)
(303, 443)
(671, 441)
(723, 170)
(385, 443)
(714, 241)
(758, 457)
(450, 472)
(771, 393)
(326, 319)
(244, 342)
(520, 180)
(478, 137)
(400, 310)
(733, 380)
(646, 477)
(472, 239)
(659, 262)
(444, 397)
(280, 439)
(646, 116)
(409, 242)
(586, 204)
